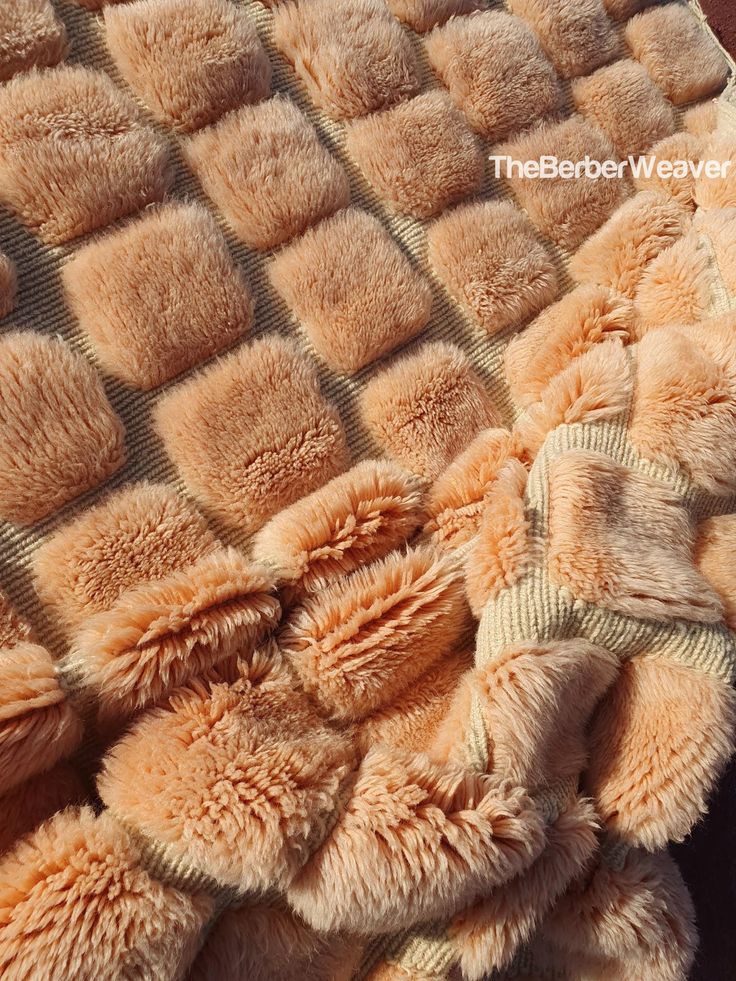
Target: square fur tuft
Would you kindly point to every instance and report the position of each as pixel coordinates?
(352, 311)
(677, 53)
(576, 35)
(491, 263)
(83, 868)
(471, 54)
(419, 156)
(623, 540)
(363, 640)
(618, 254)
(266, 170)
(586, 316)
(190, 61)
(426, 407)
(74, 154)
(31, 36)
(627, 105)
(567, 211)
(160, 295)
(59, 436)
(252, 434)
(353, 58)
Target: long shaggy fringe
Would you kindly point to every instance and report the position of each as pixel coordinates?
(160, 634)
(364, 639)
(354, 519)
(424, 841)
(83, 869)
(239, 781)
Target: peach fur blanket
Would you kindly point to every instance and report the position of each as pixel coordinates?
(366, 518)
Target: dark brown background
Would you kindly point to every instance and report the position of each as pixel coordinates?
(708, 863)
(722, 17)
(708, 858)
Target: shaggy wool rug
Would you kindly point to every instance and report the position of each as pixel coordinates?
(367, 503)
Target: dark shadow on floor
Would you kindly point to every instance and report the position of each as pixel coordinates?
(708, 863)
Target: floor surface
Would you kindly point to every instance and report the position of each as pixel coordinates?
(708, 863)
(708, 858)
(722, 17)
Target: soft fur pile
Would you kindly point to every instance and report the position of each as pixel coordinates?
(396, 643)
